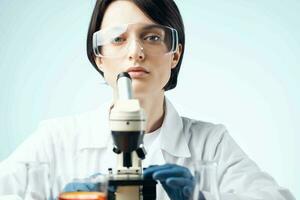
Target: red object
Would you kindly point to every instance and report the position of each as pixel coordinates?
(82, 196)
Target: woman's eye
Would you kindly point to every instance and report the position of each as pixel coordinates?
(153, 38)
(117, 40)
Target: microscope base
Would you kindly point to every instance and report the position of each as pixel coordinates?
(122, 185)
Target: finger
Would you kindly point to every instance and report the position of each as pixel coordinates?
(159, 167)
(178, 182)
(82, 187)
(93, 186)
(171, 172)
(148, 173)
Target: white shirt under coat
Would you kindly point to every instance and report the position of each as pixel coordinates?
(65, 148)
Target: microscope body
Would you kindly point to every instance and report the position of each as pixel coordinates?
(127, 123)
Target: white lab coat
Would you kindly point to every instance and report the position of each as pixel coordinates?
(78, 146)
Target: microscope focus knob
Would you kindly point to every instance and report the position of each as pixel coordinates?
(141, 152)
(116, 150)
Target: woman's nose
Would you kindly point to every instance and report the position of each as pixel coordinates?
(136, 51)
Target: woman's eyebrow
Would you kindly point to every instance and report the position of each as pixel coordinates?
(151, 27)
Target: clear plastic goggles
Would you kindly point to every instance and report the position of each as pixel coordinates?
(152, 39)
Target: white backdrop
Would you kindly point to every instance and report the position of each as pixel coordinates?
(241, 69)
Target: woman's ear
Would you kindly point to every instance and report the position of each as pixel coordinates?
(98, 63)
(176, 56)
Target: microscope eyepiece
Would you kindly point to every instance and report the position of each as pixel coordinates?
(123, 74)
(124, 86)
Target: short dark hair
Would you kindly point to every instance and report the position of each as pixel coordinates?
(164, 12)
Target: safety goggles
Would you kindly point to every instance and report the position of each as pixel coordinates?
(152, 39)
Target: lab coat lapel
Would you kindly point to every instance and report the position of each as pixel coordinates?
(173, 140)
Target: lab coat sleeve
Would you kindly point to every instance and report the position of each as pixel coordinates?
(239, 177)
(24, 174)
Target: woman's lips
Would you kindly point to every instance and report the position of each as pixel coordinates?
(138, 74)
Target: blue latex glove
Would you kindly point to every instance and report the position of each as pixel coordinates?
(86, 187)
(176, 180)
(82, 186)
(79, 186)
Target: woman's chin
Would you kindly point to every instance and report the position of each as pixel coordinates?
(139, 93)
(140, 90)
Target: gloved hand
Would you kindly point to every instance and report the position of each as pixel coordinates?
(176, 180)
(82, 186)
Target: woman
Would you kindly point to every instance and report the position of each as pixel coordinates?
(119, 40)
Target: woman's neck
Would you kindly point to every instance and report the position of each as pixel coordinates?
(154, 110)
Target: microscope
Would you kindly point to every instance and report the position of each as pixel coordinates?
(127, 123)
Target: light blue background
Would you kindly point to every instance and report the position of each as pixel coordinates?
(241, 69)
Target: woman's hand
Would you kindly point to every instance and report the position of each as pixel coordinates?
(82, 186)
(177, 180)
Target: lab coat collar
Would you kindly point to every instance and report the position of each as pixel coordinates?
(95, 131)
(172, 137)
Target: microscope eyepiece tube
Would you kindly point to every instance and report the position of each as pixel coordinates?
(124, 86)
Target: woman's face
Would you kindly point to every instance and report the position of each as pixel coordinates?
(149, 73)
